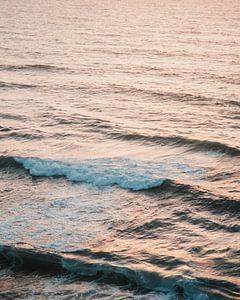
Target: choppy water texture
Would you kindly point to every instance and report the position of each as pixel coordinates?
(119, 149)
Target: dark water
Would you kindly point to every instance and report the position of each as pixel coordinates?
(119, 149)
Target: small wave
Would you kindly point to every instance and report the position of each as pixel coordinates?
(38, 67)
(163, 95)
(10, 85)
(148, 230)
(20, 135)
(12, 117)
(155, 228)
(83, 120)
(194, 144)
(96, 255)
(25, 257)
(210, 225)
(235, 103)
(204, 199)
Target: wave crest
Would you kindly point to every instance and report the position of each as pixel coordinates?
(101, 173)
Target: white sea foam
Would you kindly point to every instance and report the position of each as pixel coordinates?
(124, 173)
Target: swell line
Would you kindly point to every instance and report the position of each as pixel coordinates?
(193, 144)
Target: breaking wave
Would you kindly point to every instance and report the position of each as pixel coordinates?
(101, 173)
(26, 257)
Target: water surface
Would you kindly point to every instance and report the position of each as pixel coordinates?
(119, 149)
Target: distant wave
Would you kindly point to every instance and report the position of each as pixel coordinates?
(16, 85)
(11, 117)
(4, 129)
(194, 144)
(163, 95)
(25, 257)
(38, 67)
(83, 120)
(8, 133)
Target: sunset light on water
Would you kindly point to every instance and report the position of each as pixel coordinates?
(120, 149)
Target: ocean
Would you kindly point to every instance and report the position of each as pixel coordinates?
(120, 149)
